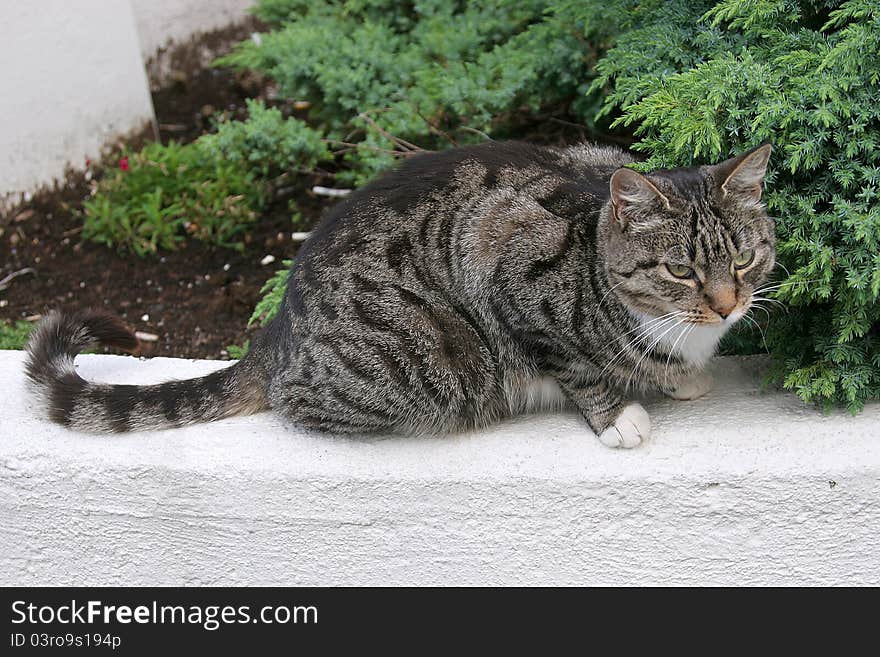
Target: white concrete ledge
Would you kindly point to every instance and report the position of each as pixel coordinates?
(737, 488)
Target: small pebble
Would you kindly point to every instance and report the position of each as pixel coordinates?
(226, 267)
(330, 191)
(145, 318)
(268, 260)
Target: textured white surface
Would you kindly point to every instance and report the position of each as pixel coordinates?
(72, 79)
(160, 22)
(739, 487)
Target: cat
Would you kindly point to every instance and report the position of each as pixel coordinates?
(467, 286)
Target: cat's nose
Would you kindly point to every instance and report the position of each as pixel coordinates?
(723, 302)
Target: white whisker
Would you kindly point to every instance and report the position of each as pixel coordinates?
(656, 324)
(681, 336)
(760, 330)
(605, 296)
(754, 304)
(649, 350)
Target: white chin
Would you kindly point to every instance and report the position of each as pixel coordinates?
(733, 318)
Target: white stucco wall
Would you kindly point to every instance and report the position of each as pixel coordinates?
(160, 22)
(71, 79)
(740, 487)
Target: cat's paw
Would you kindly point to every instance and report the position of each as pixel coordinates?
(692, 387)
(630, 429)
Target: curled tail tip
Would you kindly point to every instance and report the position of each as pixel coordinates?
(60, 336)
(82, 328)
(109, 330)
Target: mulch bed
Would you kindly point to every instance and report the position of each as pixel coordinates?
(197, 300)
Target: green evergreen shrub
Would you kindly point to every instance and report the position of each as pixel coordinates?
(805, 76)
(267, 144)
(386, 77)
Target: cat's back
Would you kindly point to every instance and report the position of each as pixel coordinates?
(446, 179)
(429, 196)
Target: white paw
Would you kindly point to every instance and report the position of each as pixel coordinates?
(630, 429)
(692, 387)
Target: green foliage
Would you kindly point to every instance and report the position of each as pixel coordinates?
(237, 352)
(266, 144)
(14, 335)
(805, 76)
(273, 292)
(385, 77)
(211, 189)
(169, 191)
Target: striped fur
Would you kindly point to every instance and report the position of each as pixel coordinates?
(470, 285)
(94, 407)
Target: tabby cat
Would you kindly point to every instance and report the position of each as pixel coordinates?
(470, 285)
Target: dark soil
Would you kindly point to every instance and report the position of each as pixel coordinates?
(188, 94)
(197, 300)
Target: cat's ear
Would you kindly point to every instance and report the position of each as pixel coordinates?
(631, 192)
(743, 176)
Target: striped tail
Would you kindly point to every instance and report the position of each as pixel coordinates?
(96, 407)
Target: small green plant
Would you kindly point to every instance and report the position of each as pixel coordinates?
(211, 189)
(267, 306)
(273, 292)
(163, 193)
(267, 144)
(237, 352)
(14, 335)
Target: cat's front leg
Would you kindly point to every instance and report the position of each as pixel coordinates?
(616, 421)
(690, 387)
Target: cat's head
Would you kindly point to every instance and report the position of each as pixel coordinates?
(695, 240)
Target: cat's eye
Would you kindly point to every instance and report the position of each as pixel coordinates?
(744, 259)
(680, 271)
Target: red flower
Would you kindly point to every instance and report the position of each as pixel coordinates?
(123, 163)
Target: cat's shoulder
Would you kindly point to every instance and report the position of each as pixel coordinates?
(596, 156)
